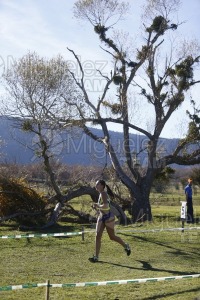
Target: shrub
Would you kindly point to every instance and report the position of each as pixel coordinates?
(17, 198)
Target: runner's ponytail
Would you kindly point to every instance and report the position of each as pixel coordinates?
(109, 191)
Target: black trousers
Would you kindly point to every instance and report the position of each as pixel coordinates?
(190, 215)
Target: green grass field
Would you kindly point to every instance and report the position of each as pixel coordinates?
(65, 260)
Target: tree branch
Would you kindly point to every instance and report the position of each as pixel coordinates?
(122, 122)
(22, 213)
(190, 159)
(82, 86)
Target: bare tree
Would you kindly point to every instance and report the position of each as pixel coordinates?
(36, 87)
(40, 91)
(166, 81)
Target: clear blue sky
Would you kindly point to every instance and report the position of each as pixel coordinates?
(48, 27)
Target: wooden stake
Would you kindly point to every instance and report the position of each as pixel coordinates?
(82, 233)
(183, 223)
(47, 290)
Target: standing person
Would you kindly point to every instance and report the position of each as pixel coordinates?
(188, 194)
(106, 219)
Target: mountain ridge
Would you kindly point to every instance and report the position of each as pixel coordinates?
(71, 146)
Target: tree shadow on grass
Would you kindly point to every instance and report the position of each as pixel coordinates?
(148, 267)
(161, 296)
(174, 251)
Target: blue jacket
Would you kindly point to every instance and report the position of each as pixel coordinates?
(188, 191)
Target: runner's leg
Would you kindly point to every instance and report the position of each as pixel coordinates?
(99, 231)
(111, 232)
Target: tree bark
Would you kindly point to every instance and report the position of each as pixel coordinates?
(140, 208)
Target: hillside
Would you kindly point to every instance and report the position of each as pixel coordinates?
(71, 146)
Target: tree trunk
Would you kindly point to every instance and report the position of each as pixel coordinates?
(140, 209)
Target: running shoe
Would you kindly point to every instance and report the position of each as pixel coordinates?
(127, 249)
(94, 259)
